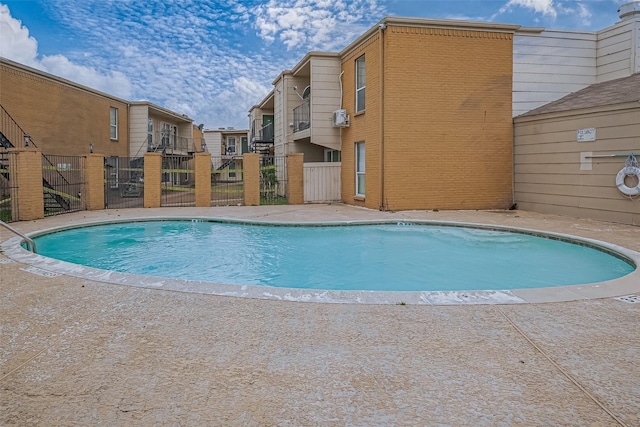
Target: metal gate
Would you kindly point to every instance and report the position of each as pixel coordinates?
(273, 180)
(227, 181)
(7, 189)
(62, 182)
(123, 182)
(178, 181)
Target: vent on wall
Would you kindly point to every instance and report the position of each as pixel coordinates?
(340, 118)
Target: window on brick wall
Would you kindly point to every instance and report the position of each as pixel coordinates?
(360, 190)
(360, 84)
(113, 123)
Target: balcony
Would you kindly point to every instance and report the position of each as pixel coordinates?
(302, 116)
(263, 135)
(169, 143)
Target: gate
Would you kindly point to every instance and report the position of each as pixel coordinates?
(178, 181)
(62, 182)
(322, 182)
(123, 182)
(273, 180)
(6, 189)
(227, 181)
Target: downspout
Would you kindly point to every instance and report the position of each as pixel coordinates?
(381, 28)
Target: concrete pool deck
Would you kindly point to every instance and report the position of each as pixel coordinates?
(77, 351)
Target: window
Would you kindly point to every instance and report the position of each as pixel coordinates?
(331, 155)
(360, 83)
(113, 123)
(360, 169)
(150, 134)
(231, 145)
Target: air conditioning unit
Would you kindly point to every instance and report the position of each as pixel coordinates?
(340, 118)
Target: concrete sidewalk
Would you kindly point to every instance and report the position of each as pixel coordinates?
(76, 351)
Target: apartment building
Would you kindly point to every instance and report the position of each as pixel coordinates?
(65, 118)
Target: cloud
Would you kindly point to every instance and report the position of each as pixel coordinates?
(545, 7)
(314, 24)
(17, 45)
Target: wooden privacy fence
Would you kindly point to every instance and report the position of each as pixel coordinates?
(322, 182)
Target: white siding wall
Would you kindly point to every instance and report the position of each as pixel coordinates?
(618, 50)
(214, 142)
(549, 65)
(279, 117)
(322, 182)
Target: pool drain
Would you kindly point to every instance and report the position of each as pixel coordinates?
(629, 298)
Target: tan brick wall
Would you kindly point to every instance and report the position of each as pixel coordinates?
(61, 117)
(27, 173)
(251, 179)
(93, 192)
(152, 180)
(203, 179)
(295, 178)
(447, 120)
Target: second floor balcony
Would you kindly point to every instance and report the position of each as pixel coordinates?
(302, 116)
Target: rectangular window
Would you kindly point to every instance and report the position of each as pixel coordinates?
(360, 169)
(360, 83)
(113, 123)
(231, 145)
(331, 155)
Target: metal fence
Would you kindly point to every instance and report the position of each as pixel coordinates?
(178, 181)
(62, 182)
(273, 180)
(123, 182)
(6, 189)
(227, 181)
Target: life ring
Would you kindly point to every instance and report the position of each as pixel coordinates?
(624, 188)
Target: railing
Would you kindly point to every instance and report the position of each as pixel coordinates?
(29, 243)
(123, 182)
(227, 181)
(169, 143)
(302, 116)
(178, 181)
(264, 134)
(273, 180)
(62, 181)
(11, 134)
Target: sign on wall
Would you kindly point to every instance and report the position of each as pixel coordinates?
(586, 135)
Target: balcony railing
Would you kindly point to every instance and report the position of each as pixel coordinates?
(264, 134)
(168, 143)
(302, 116)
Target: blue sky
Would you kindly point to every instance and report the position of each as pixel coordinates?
(213, 60)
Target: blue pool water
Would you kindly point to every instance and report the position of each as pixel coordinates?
(360, 257)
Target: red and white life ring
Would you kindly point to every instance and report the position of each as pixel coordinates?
(624, 188)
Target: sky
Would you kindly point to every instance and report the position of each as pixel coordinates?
(214, 60)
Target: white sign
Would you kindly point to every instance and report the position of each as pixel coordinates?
(586, 135)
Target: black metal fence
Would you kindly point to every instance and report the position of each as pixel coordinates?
(7, 188)
(273, 180)
(62, 184)
(178, 181)
(123, 182)
(227, 181)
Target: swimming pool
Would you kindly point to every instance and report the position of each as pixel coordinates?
(380, 256)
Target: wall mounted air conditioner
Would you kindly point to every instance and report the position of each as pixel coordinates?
(340, 118)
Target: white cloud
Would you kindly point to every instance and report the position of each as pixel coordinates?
(17, 45)
(15, 42)
(545, 7)
(314, 24)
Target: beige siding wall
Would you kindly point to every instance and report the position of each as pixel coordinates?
(138, 121)
(325, 99)
(548, 177)
(280, 117)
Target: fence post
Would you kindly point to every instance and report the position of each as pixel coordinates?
(93, 192)
(27, 168)
(295, 178)
(152, 180)
(203, 179)
(251, 179)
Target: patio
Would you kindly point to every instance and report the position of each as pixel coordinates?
(84, 352)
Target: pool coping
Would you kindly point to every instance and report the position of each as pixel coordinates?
(623, 286)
